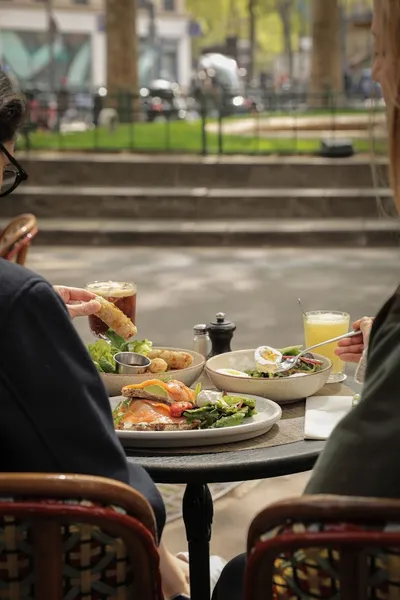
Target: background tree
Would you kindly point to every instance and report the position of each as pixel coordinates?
(252, 5)
(327, 77)
(284, 9)
(122, 55)
(221, 18)
(274, 27)
(266, 18)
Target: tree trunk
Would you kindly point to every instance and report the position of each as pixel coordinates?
(284, 8)
(326, 80)
(252, 38)
(234, 20)
(122, 58)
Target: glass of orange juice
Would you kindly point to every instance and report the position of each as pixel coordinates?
(321, 325)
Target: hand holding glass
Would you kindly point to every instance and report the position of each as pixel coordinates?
(321, 325)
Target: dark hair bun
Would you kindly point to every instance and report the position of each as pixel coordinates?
(12, 110)
(11, 117)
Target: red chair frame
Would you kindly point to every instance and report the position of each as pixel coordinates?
(351, 544)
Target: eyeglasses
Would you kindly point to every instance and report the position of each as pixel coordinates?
(13, 174)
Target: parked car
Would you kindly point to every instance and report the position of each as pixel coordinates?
(163, 99)
(246, 104)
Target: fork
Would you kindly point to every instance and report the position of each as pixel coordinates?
(290, 363)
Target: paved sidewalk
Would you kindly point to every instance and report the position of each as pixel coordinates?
(334, 121)
(257, 287)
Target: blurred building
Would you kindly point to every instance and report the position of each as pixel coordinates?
(79, 44)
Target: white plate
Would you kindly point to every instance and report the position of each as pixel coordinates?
(268, 413)
(340, 379)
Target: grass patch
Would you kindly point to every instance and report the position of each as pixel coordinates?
(177, 136)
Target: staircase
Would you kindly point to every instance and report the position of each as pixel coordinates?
(124, 199)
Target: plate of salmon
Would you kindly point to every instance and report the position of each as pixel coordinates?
(167, 413)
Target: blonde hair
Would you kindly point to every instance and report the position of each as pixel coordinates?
(387, 17)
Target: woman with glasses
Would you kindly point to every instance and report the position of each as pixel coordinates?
(13, 173)
(79, 302)
(55, 415)
(54, 412)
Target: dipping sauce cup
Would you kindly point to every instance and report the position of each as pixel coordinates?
(131, 363)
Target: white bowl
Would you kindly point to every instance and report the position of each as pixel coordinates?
(115, 382)
(280, 389)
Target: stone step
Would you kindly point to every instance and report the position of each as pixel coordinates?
(256, 232)
(194, 203)
(187, 170)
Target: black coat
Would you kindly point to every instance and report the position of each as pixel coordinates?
(55, 415)
(362, 456)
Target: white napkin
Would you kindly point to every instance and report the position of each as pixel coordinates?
(323, 413)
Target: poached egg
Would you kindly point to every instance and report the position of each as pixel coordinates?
(206, 397)
(267, 359)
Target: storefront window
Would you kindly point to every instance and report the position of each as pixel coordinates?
(169, 5)
(169, 60)
(160, 61)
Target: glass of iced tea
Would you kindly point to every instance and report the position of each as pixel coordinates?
(321, 325)
(120, 293)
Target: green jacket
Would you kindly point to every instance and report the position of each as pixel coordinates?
(362, 456)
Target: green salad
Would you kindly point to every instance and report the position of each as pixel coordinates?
(306, 365)
(103, 351)
(220, 410)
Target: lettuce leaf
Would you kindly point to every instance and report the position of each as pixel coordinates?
(291, 350)
(230, 420)
(116, 340)
(102, 353)
(140, 347)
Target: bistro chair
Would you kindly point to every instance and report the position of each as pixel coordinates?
(325, 547)
(65, 537)
(17, 237)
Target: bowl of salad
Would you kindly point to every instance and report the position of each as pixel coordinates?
(165, 363)
(254, 372)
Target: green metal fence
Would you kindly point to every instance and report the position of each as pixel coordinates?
(260, 123)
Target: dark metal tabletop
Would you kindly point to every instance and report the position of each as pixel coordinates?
(242, 465)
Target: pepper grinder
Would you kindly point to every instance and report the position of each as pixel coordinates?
(221, 333)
